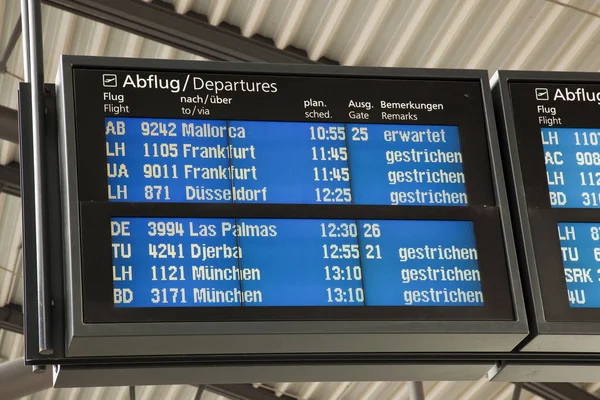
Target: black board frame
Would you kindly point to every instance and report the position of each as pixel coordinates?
(554, 325)
(88, 343)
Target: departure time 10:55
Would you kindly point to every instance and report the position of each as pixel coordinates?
(320, 132)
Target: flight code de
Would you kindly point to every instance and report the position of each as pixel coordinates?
(341, 262)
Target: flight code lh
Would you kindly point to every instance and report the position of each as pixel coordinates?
(560, 160)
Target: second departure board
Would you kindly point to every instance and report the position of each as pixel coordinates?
(552, 136)
(559, 143)
(236, 195)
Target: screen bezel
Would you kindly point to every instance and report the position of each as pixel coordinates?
(97, 282)
(498, 278)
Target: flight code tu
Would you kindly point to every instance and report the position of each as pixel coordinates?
(341, 262)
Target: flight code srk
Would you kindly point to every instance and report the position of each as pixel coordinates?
(579, 262)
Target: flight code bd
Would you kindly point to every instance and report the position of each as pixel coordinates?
(572, 161)
(561, 118)
(295, 98)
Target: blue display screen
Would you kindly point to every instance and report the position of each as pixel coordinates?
(233, 262)
(212, 161)
(580, 248)
(572, 163)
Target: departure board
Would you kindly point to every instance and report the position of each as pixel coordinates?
(183, 160)
(233, 195)
(207, 262)
(249, 213)
(553, 148)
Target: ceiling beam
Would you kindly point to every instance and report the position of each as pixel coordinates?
(18, 380)
(416, 391)
(190, 32)
(9, 124)
(244, 392)
(10, 179)
(11, 318)
(199, 392)
(160, 22)
(557, 391)
(10, 46)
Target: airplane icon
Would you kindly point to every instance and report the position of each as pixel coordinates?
(109, 80)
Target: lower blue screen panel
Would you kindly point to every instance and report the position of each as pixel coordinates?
(219, 262)
(580, 248)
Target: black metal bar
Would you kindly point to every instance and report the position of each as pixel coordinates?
(199, 392)
(33, 24)
(416, 391)
(9, 124)
(190, 32)
(10, 45)
(245, 392)
(517, 391)
(131, 392)
(557, 391)
(18, 381)
(10, 181)
(11, 318)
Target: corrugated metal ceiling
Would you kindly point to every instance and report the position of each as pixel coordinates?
(501, 34)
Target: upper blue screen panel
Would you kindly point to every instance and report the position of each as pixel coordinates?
(572, 158)
(212, 161)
